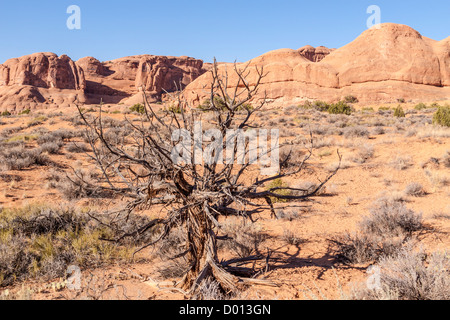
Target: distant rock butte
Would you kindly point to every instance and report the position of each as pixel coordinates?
(381, 65)
(44, 80)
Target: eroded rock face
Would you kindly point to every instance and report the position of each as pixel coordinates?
(381, 65)
(156, 74)
(40, 80)
(124, 77)
(315, 54)
(42, 70)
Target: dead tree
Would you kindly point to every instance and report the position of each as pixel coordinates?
(195, 195)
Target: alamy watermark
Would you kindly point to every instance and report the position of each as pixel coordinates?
(374, 21)
(74, 20)
(251, 147)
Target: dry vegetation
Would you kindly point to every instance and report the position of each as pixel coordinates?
(387, 206)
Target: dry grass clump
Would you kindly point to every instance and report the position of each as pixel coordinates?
(41, 242)
(401, 163)
(19, 157)
(356, 131)
(391, 219)
(244, 239)
(380, 234)
(290, 237)
(415, 189)
(170, 250)
(410, 275)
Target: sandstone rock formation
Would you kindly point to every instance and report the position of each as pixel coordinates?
(381, 65)
(43, 70)
(115, 80)
(44, 80)
(39, 80)
(315, 54)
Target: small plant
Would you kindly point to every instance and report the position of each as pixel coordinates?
(415, 189)
(351, 99)
(139, 108)
(26, 111)
(420, 106)
(220, 104)
(175, 109)
(442, 116)
(399, 112)
(321, 106)
(5, 114)
(340, 108)
(278, 186)
(401, 100)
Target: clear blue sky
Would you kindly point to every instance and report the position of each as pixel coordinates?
(229, 30)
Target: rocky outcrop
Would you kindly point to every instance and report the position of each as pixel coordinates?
(315, 54)
(381, 65)
(40, 80)
(115, 80)
(42, 70)
(45, 78)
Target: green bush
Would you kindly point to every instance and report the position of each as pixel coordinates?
(340, 108)
(139, 108)
(174, 109)
(26, 111)
(420, 106)
(442, 116)
(5, 114)
(321, 106)
(278, 183)
(221, 105)
(399, 112)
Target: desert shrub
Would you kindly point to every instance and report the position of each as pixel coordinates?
(399, 112)
(26, 111)
(51, 147)
(355, 248)
(290, 237)
(5, 114)
(365, 152)
(400, 163)
(290, 157)
(410, 275)
(220, 104)
(442, 116)
(287, 214)
(378, 131)
(77, 147)
(170, 251)
(139, 108)
(356, 131)
(415, 189)
(278, 186)
(80, 184)
(401, 100)
(306, 187)
(391, 219)
(351, 99)
(420, 106)
(340, 108)
(56, 136)
(39, 241)
(244, 238)
(36, 121)
(446, 159)
(19, 158)
(23, 138)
